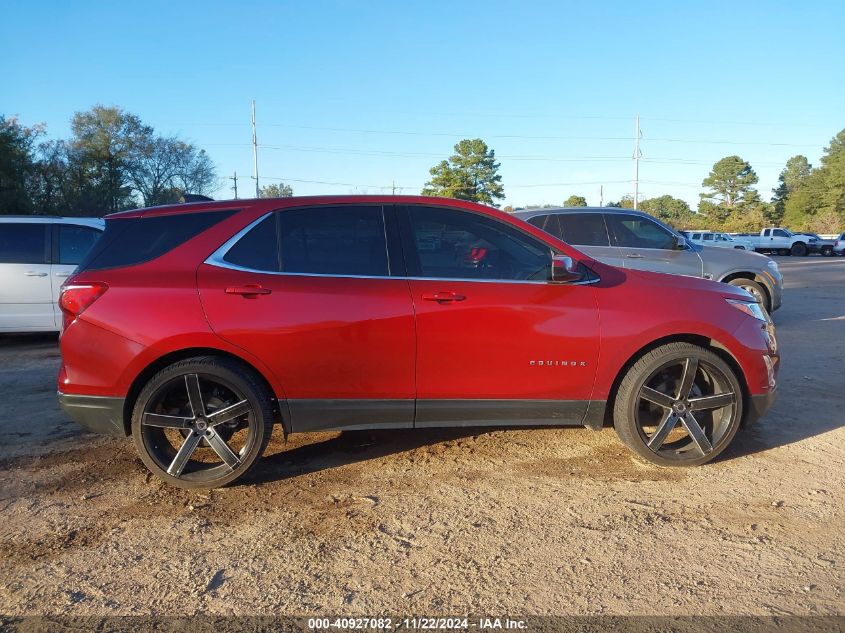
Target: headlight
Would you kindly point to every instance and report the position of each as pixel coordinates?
(772, 264)
(751, 308)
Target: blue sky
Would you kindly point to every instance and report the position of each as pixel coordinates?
(368, 94)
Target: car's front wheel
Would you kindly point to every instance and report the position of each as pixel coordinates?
(799, 250)
(678, 405)
(202, 422)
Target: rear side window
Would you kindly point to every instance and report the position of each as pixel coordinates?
(259, 248)
(584, 229)
(74, 242)
(131, 241)
(344, 240)
(24, 243)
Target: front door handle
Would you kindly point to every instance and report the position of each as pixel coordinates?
(634, 256)
(443, 297)
(250, 290)
(33, 273)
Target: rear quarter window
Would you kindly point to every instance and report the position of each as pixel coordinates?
(131, 241)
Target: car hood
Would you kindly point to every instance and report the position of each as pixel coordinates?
(683, 283)
(731, 258)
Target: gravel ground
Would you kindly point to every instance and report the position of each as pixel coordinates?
(517, 522)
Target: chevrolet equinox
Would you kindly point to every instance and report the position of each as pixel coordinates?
(195, 328)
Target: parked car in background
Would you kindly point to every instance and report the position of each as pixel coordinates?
(636, 240)
(821, 246)
(839, 245)
(37, 254)
(775, 239)
(715, 238)
(195, 328)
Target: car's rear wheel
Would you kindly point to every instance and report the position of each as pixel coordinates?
(679, 405)
(827, 251)
(755, 289)
(799, 249)
(202, 422)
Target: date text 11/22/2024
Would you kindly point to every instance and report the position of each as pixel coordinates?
(416, 623)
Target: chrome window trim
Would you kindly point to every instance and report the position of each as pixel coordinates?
(216, 259)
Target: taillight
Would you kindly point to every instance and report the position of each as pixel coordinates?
(77, 297)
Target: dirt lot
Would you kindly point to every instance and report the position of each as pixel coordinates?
(552, 521)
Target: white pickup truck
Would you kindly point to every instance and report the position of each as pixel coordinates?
(775, 239)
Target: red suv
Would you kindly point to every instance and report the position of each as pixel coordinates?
(194, 328)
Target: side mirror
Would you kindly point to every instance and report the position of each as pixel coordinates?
(564, 269)
(679, 243)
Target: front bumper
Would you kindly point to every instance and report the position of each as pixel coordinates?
(758, 405)
(98, 414)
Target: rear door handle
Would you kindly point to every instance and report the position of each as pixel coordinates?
(443, 297)
(62, 274)
(33, 273)
(634, 256)
(248, 291)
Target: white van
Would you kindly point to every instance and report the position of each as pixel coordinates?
(37, 254)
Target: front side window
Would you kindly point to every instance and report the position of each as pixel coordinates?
(451, 244)
(780, 233)
(633, 231)
(24, 243)
(583, 229)
(74, 243)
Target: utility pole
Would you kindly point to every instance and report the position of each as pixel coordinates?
(235, 179)
(393, 187)
(601, 195)
(255, 152)
(637, 155)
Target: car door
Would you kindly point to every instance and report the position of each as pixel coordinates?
(71, 243)
(646, 245)
(26, 298)
(313, 293)
(497, 343)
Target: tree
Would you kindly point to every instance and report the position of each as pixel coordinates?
(105, 141)
(471, 173)
(731, 183)
(793, 175)
(575, 201)
(671, 210)
(819, 199)
(280, 190)
(626, 202)
(17, 165)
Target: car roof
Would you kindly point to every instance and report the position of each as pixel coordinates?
(52, 219)
(530, 213)
(299, 201)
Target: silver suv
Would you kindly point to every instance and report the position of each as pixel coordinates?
(632, 239)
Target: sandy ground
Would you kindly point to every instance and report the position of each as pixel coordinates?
(550, 521)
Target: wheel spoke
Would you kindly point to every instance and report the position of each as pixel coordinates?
(696, 433)
(656, 397)
(718, 401)
(166, 421)
(188, 447)
(192, 382)
(222, 449)
(229, 413)
(688, 378)
(669, 422)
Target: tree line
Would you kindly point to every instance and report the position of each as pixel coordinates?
(112, 161)
(807, 198)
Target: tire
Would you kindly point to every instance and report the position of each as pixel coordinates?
(827, 251)
(210, 450)
(799, 249)
(756, 289)
(634, 410)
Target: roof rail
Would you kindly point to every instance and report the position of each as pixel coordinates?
(194, 197)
